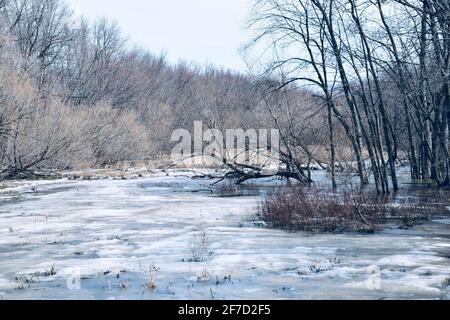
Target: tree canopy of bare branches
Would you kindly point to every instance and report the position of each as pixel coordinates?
(381, 69)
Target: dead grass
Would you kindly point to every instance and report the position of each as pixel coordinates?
(151, 284)
(200, 245)
(326, 211)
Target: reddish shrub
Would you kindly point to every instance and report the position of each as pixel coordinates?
(325, 211)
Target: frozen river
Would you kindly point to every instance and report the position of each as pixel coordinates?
(99, 239)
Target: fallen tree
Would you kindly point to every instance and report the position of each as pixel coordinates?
(244, 172)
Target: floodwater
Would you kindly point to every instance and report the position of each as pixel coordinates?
(134, 239)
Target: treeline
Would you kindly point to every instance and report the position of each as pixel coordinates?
(77, 94)
(382, 71)
(345, 81)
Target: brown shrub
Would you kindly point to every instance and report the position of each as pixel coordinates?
(325, 211)
(106, 136)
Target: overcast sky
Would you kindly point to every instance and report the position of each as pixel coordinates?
(200, 31)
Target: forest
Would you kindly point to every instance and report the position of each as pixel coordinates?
(359, 82)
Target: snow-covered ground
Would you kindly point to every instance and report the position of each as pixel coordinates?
(110, 233)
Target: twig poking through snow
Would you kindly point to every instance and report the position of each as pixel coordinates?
(200, 245)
